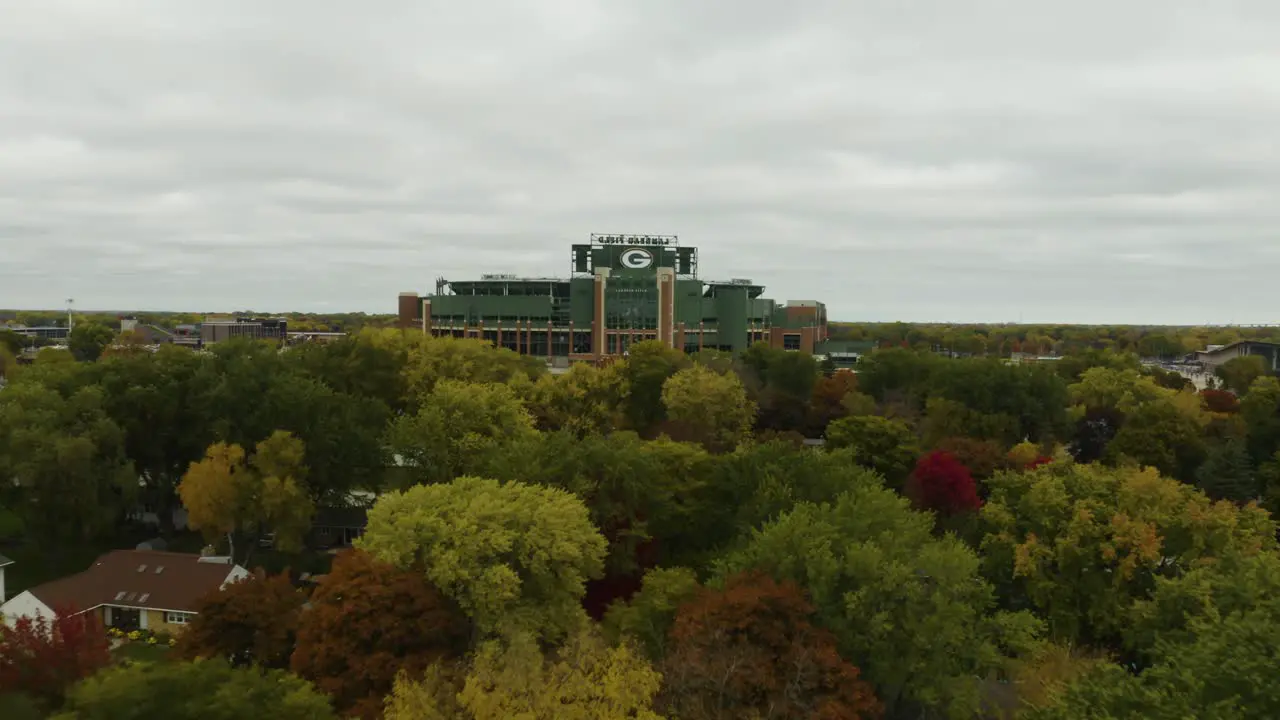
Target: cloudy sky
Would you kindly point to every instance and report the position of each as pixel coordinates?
(984, 160)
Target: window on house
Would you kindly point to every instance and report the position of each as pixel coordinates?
(159, 569)
(144, 597)
(120, 595)
(142, 568)
(178, 618)
(791, 341)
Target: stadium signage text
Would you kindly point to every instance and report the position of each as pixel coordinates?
(650, 240)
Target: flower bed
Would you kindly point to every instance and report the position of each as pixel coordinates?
(147, 637)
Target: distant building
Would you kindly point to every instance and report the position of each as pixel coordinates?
(621, 290)
(843, 354)
(47, 332)
(1215, 355)
(216, 331)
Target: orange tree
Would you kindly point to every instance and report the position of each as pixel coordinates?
(750, 650)
(368, 621)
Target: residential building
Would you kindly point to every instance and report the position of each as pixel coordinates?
(131, 590)
(621, 289)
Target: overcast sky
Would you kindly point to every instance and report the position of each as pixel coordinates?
(1081, 161)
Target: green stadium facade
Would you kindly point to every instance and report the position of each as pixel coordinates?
(622, 289)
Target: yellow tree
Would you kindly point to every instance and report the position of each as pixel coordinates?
(211, 492)
(708, 407)
(225, 495)
(585, 679)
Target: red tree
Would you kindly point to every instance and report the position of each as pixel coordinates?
(750, 650)
(1220, 401)
(41, 658)
(368, 621)
(943, 484)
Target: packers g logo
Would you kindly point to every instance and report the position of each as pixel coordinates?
(636, 258)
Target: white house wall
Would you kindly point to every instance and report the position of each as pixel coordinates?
(25, 605)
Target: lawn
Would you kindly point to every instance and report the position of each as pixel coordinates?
(141, 652)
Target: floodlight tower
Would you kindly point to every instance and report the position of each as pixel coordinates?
(70, 319)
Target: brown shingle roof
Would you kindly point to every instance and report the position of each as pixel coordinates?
(136, 578)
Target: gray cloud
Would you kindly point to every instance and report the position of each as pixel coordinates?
(987, 161)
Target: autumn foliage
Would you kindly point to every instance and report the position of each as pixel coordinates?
(941, 483)
(41, 658)
(750, 650)
(368, 621)
(1220, 401)
(250, 622)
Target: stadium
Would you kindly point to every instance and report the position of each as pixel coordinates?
(621, 289)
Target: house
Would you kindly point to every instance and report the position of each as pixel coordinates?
(338, 527)
(4, 562)
(131, 590)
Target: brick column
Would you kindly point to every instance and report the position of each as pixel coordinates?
(598, 328)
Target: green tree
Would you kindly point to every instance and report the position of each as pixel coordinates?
(155, 398)
(638, 492)
(647, 616)
(783, 383)
(87, 340)
(886, 446)
(1238, 373)
(70, 478)
(1260, 409)
(251, 391)
(757, 483)
(202, 690)
(897, 375)
(1225, 669)
(356, 365)
(458, 424)
(8, 363)
(907, 608)
(1082, 544)
(1227, 474)
(646, 369)
(947, 418)
(708, 407)
(515, 557)
(1161, 435)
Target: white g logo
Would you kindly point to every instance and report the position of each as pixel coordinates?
(636, 259)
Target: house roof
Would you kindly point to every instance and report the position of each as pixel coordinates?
(137, 578)
(5, 561)
(1216, 349)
